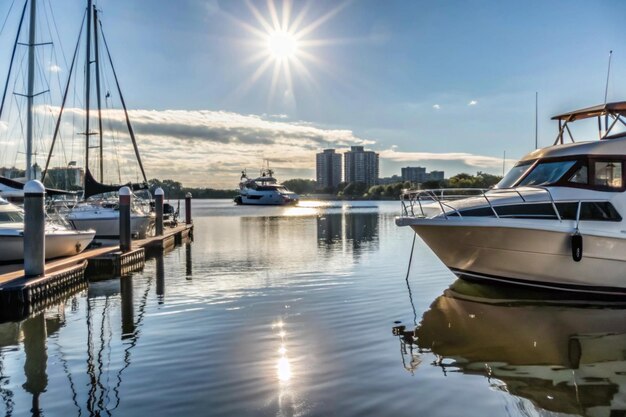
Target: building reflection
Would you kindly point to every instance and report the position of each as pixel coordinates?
(565, 358)
(348, 229)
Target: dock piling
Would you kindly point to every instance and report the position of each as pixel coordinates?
(158, 208)
(34, 229)
(188, 208)
(125, 229)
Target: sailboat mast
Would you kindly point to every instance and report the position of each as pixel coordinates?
(99, 95)
(31, 91)
(87, 84)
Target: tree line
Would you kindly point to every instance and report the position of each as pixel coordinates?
(174, 189)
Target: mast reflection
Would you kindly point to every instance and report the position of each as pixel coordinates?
(567, 358)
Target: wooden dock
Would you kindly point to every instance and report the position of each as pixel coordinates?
(20, 295)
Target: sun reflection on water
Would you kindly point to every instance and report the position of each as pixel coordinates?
(283, 366)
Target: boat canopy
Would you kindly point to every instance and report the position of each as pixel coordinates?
(266, 179)
(617, 108)
(611, 113)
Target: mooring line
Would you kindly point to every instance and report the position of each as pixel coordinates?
(408, 271)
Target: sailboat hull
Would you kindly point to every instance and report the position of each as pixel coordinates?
(108, 227)
(58, 244)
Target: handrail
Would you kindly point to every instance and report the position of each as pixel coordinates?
(411, 200)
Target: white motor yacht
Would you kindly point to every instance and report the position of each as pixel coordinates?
(556, 220)
(60, 240)
(264, 190)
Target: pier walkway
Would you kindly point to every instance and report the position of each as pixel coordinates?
(18, 293)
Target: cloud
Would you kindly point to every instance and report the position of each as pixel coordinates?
(54, 68)
(204, 148)
(209, 148)
(436, 106)
(472, 103)
(478, 161)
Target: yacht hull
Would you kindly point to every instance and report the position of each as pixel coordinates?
(534, 257)
(265, 200)
(58, 244)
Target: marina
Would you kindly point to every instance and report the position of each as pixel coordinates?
(417, 247)
(261, 333)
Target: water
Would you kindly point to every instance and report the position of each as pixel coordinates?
(289, 312)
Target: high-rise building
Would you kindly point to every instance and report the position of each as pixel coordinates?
(360, 166)
(414, 174)
(435, 176)
(65, 178)
(419, 175)
(328, 169)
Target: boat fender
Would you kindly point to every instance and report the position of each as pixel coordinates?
(577, 246)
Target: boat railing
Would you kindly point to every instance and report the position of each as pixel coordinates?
(413, 201)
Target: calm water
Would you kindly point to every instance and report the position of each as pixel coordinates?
(289, 312)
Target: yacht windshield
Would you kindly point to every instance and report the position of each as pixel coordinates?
(547, 172)
(513, 175)
(11, 217)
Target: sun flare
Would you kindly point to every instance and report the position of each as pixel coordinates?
(283, 47)
(282, 44)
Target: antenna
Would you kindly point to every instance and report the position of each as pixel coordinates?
(536, 120)
(608, 73)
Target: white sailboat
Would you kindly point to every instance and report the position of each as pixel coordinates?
(99, 209)
(60, 240)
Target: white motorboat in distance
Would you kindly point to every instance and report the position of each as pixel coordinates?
(556, 220)
(59, 240)
(264, 190)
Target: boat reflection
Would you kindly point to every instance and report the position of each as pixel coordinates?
(563, 357)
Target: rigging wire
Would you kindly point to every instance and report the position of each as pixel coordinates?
(7, 17)
(128, 124)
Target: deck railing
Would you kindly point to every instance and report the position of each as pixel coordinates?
(413, 201)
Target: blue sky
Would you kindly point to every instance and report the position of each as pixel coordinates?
(397, 76)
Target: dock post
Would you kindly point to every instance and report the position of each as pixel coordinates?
(34, 229)
(188, 208)
(158, 208)
(125, 233)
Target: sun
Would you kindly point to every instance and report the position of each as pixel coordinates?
(282, 44)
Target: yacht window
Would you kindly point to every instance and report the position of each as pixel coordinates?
(547, 172)
(513, 175)
(608, 174)
(11, 217)
(580, 176)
